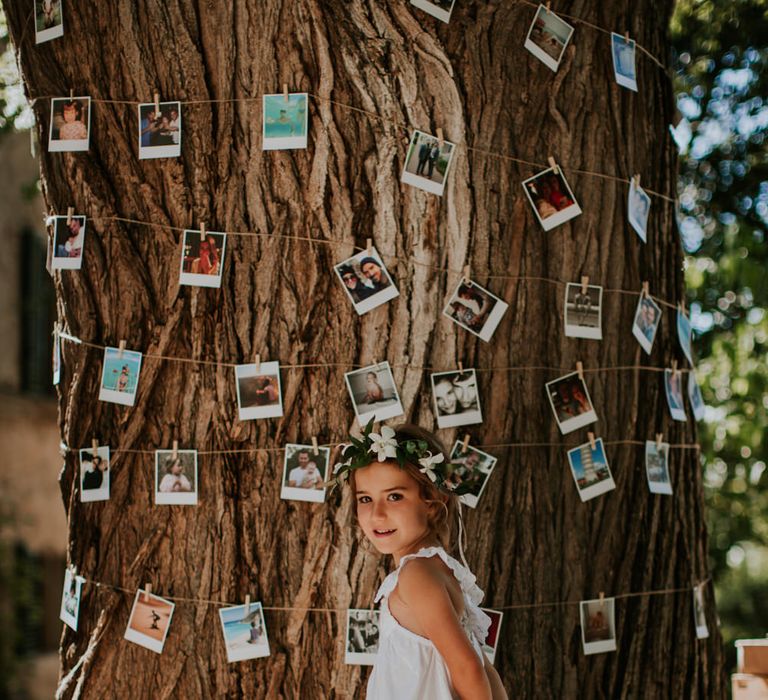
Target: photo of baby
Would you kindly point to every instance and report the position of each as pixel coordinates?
(259, 394)
(176, 477)
(68, 241)
(373, 393)
(304, 473)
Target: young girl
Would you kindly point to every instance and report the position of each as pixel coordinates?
(431, 628)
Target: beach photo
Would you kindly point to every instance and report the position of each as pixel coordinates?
(49, 22)
(70, 599)
(149, 621)
(590, 470)
(427, 163)
(94, 474)
(159, 130)
(583, 311)
(373, 393)
(623, 53)
(259, 393)
(366, 281)
(245, 633)
(67, 243)
(647, 318)
(638, 209)
(551, 198)
(673, 387)
(285, 121)
(305, 473)
(570, 402)
(440, 9)
(598, 626)
(176, 477)
(695, 398)
(456, 398)
(475, 309)
(491, 641)
(548, 36)
(120, 376)
(202, 258)
(362, 638)
(470, 469)
(70, 124)
(684, 334)
(657, 468)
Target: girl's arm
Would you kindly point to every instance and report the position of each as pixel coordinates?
(497, 687)
(422, 588)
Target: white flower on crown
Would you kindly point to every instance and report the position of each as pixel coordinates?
(384, 446)
(428, 465)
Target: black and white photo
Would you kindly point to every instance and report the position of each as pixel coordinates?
(551, 198)
(305, 473)
(373, 393)
(176, 477)
(362, 638)
(598, 625)
(646, 323)
(94, 474)
(427, 162)
(159, 130)
(583, 311)
(456, 398)
(570, 402)
(70, 599)
(259, 393)
(366, 280)
(548, 37)
(475, 309)
(49, 20)
(70, 124)
(657, 467)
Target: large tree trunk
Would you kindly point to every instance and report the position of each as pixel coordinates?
(530, 539)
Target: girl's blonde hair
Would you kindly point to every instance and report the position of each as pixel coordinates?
(442, 518)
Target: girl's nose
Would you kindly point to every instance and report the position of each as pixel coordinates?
(379, 509)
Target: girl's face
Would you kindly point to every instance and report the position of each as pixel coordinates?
(70, 114)
(390, 509)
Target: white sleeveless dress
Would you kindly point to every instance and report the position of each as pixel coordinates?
(408, 666)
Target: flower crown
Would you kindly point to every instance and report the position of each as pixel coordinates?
(360, 451)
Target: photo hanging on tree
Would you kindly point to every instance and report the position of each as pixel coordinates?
(67, 242)
(149, 621)
(657, 467)
(598, 625)
(583, 311)
(159, 130)
(456, 398)
(570, 402)
(471, 468)
(440, 9)
(427, 163)
(695, 398)
(638, 209)
(202, 258)
(305, 473)
(70, 599)
(49, 20)
(684, 332)
(623, 52)
(362, 639)
(56, 364)
(673, 387)
(491, 641)
(551, 198)
(120, 376)
(176, 481)
(548, 37)
(94, 474)
(699, 612)
(590, 470)
(245, 632)
(70, 124)
(285, 121)
(366, 281)
(646, 323)
(259, 393)
(373, 393)
(475, 309)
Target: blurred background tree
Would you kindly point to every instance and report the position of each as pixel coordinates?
(721, 49)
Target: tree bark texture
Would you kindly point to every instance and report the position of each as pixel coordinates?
(530, 539)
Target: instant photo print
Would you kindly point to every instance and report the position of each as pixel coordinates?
(646, 323)
(159, 130)
(491, 641)
(598, 625)
(305, 470)
(456, 398)
(362, 639)
(373, 393)
(638, 209)
(475, 309)
(149, 621)
(176, 477)
(623, 53)
(551, 198)
(70, 599)
(657, 467)
(120, 376)
(699, 612)
(695, 398)
(583, 311)
(366, 281)
(245, 633)
(548, 37)
(684, 332)
(202, 258)
(427, 162)
(471, 468)
(259, 393)
(68, 241)
(441, 9)
(94, 474)
(590, 470)
(285, 121)
(570, 403)
(70, 124)
(673, 387)
(49, 21)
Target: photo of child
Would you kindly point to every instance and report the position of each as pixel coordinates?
(366, 281)
(176, 477)
(68, 240)
(70, 124)
(427, 163)
(551, 198)
(245, 633)
(304, 473)
(202, 258)
(285, 121)
(373, 393)
(159, 130)
(49, 23)
(548, 36)
(598, 627)
(120, 376)
(259, 394)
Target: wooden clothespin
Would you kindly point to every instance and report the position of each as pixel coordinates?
(368, 246)
(95, 447)
(674, 367)
(465, 275)
(659, 438)
(461, 367)
(175, 452)
(157, 102)
(257, 362)
(552, 164)
(547, 7)
(147, 591)
(202, 230)
(285, 92)
(645, 292)
(247, 602)
(465, 443)
(584, 284)
(636, 179)
(71, 94)
(70, 214)
(440, 140)
(602, 601)
(121, 349)
(682, 306)
(626, 37)
(315, 449)
(591, 438)
(580, 370)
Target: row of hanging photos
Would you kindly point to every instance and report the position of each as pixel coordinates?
(244, 629)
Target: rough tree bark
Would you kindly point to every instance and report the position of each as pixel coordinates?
(530, 539)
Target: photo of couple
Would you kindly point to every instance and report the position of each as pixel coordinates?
(160, 130)
(570, 403)
(598, 629)
(284, 121)
(551, 198)
(427, 163)
(623, 52)
(657, 467)
(120, 376)
(583, 310)
(456, 398)
(548, 37)
(94, 474)
(49, 23)
(202, 258)
(70, 124)
(245, 633)
(471, 468)
(475, 309)
(362, 637)
(647, 318)
(366, 281)
(176, 477)
(304, 473)
(68, 240)
(259, 394)
(373, 393)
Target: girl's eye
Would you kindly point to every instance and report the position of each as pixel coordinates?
(395, 496)
(364, 499)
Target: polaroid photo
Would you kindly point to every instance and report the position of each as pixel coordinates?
(120, 376)
(67, 243)
(245, 633)
(441, 9)
(491, 640)
(285, 121)
(590, 470)
(646, 323)
(373, 393)
(49, 22)
(259, 393)
(202, 258)
(551, 198)
(638, 209)
(598, 625)
(699, 612)
(305, 473)
(684, 332)
(427, 163)
(456, 398)
(657, 467)
(149, 621)
(471, 469)
(475, 309)
(70, 599)
(176, 477)
(94, 474)
(623, 52)
(366, 281)
(362, 640)
(570, 402)
(159, 131)
(583, 311)
(56, 359)
(695, 398)
(673, 386)
(548, 37)
(70, 124)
